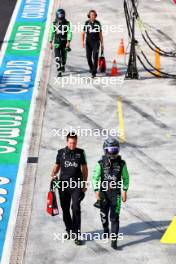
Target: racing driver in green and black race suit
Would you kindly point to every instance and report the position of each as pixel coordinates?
(109, 177)
(60, 36)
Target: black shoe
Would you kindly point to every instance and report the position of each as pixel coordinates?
(63, 68)
(67, 236)
(78, 242)
(93, 75)
(114, 244)
(59, 74)
(106, 233)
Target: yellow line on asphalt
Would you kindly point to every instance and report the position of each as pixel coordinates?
(122, 136)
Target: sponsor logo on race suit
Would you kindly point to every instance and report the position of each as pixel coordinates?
(68, 164)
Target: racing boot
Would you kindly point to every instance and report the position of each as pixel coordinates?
(114, 244)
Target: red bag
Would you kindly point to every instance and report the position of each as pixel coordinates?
(102, 63)
(52, 206)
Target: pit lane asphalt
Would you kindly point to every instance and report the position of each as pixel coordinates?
(149, 107)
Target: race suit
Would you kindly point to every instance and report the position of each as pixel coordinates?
(60, 33)
(110, 175)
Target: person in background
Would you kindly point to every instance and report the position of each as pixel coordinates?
(60, 38)
(93, 31)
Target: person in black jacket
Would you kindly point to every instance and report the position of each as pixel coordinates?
(72, 164)
(93, 31)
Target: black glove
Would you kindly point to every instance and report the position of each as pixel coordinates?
(97, 204)
(68, 49)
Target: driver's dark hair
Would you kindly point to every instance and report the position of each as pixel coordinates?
(72, 134)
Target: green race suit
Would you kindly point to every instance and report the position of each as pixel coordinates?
(60, 31)
(60, 34)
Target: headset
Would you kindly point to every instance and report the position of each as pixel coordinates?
(88, 15)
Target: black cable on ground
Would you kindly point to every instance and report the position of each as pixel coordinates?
(165, 73)
(154, 74)
(169, 52)
(163, 53)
